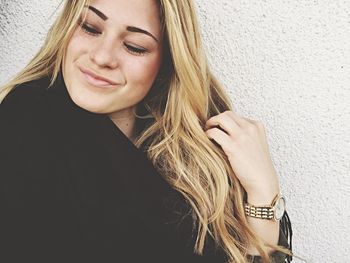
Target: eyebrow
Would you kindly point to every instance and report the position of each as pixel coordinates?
(128, 28)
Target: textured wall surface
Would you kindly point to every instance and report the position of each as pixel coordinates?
(285, 63)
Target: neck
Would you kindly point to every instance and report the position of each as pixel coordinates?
(125, 121)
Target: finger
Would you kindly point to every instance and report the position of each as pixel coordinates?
(249, 120)
(219, 137)
(224, 122)
(257, 124)
(241, 121)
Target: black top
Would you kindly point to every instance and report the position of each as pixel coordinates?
(74, 188)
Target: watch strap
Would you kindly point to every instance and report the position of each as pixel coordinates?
(262, 212)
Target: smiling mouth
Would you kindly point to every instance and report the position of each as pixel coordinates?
(91, 79)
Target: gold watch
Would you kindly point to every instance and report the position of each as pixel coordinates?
(274, 211)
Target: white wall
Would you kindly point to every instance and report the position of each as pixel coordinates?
(285, 63)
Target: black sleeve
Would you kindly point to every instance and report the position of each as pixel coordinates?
(25, 195)
(285, 240)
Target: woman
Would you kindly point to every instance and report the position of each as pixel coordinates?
(118, 144)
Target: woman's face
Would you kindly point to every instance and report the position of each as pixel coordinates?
(112, 60)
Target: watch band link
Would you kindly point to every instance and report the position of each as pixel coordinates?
(259, 211)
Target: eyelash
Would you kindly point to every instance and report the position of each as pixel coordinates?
(91, 31)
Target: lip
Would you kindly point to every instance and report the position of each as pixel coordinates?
(96, 80)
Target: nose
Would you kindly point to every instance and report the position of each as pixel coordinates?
(104, 54)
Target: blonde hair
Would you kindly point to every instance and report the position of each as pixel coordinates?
(185, 95)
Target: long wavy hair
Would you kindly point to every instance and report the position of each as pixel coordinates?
(183, 97)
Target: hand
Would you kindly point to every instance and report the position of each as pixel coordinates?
(245, 144)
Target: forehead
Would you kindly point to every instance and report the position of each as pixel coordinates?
(143, 13)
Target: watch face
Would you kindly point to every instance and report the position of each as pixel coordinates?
(280, 208)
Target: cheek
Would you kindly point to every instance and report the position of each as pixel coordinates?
(141, 72)
(76, 46)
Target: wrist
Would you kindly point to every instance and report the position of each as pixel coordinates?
(262, 198)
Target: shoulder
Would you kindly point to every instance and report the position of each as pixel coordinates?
(24, 107)
(25, 94)
(22, 117)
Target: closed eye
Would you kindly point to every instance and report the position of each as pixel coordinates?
(89, 30)
(135, 50)
(92, 31)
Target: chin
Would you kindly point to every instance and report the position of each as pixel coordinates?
(87, 101)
